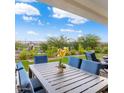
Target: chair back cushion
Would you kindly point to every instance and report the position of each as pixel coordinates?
(91, 56)
(88, 55)
(91, 66)
(25, 82)
(40, 59)
(19, 65)
(75, 62)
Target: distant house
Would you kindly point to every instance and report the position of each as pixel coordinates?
(30, 45)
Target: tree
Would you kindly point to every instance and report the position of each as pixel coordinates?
(58, 42)
(44, 46)
(80, 41)
(91, 41)
(73, 45)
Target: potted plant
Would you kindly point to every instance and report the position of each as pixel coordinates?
(61, 53)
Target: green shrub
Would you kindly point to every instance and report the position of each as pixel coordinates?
(49, 53)
(88, 49)
(73, 52)
(23, 55)
(98, 50)
(105, 50)
(30, 54)
(81, 50)
(52, 51)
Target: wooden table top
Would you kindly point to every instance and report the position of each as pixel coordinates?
(73, 80)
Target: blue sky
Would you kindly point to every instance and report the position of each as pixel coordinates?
(37, 21)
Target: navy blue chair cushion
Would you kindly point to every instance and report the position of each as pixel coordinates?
(91, 56)
(74, 62)
(19, 66)
(88, 55)
(40, 59)
(91, 66)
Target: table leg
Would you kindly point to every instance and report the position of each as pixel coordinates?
(30, 73)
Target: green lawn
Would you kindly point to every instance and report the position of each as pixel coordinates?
(65, 60)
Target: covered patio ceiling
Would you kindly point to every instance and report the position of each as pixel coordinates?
(96, 10)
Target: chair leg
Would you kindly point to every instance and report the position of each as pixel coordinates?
(104, 73)
(105, 70)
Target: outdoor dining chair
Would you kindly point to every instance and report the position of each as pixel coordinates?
(105, 58)
(92, 56)
(40, 59)
(74, 62)
(27, 85)
(91, 66)
(19, 66)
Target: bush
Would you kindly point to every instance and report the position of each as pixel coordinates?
(23, 55)
(30, 54)
(81, 50)
(88, 49)
(98, 50)
(51, 52)
(73, 52)
(105, 50)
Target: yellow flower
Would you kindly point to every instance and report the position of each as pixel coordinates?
(62, 52)
(58, 52)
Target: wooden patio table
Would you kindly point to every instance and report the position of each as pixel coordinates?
(72, 80)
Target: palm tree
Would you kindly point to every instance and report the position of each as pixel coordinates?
(58, 42)
(43, 46)
(89, 41)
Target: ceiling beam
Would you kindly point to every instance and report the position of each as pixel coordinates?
(85, 8)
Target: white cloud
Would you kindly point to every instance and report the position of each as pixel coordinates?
(74, 19)
(80, 35)
(70, 24)
(26, 0)
(29, 18)
(78, 20)
(49, 35)
(26, 9)
(70, 30)
(32, 33)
